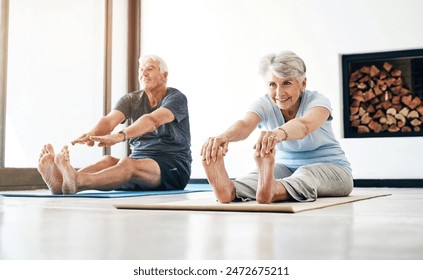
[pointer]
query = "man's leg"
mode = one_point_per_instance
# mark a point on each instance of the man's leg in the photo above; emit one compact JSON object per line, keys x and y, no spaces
{"x":269,"y":189}
{"x":105,"y":162}
{"x":110,"y":178}
{"x":218,"y":178}
{"x":49,"y":170}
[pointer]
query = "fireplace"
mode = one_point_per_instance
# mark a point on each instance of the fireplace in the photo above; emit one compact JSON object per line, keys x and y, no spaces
{"x":383,"y":94}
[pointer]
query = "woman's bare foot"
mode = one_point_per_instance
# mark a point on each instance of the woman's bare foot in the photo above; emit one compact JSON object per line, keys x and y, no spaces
{"x":69,"y":173}
{"x":268,"y":189}
{"x":49,"y":170}
{"x":218,"y":178}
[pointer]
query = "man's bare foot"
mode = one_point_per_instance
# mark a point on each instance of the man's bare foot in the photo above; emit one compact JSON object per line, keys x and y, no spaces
{"x":49,"y":170}
{"x":218,"y":178}
{"x":268,"y":189}
{"x":69,"y":173}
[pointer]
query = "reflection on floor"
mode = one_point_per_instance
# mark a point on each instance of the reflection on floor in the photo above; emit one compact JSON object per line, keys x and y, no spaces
{"x":91,"y":228}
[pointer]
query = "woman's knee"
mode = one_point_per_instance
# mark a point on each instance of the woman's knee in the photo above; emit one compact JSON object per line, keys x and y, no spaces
{"x":348,"y":186}
{"x":331,"y":180}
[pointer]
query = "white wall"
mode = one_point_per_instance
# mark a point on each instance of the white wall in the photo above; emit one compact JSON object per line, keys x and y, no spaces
{"x":213,"y":47}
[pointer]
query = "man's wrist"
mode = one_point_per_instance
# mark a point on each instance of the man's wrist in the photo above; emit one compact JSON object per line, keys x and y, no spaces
{"x":125,"y":135}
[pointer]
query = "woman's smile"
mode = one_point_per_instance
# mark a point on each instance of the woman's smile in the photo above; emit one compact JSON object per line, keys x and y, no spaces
{"x":280,"y":99}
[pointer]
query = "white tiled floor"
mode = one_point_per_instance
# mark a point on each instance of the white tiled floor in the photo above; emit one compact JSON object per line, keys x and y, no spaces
{"x":91,"y":228}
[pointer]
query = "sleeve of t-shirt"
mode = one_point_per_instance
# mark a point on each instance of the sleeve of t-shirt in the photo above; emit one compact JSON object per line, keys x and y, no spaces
{"x":177,"y":103}
{"x":262,"y":108}
{"x":319,"y":100}
{"x":124,"y":105}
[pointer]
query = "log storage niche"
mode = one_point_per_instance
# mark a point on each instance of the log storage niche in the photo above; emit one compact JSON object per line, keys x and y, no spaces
{"x":383,"y":94}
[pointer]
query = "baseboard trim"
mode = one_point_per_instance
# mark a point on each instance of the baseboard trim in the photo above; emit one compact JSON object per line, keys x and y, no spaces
{"x":20,"y":179}
{"x":29,"y":178}
{"x":198,"y":181}
{"x":363,"y":183}
{"x":388,"y":183}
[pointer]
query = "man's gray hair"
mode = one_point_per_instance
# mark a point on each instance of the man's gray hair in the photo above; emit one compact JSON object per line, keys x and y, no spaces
{"x":156,"y":58}
{"x":283,"y":65}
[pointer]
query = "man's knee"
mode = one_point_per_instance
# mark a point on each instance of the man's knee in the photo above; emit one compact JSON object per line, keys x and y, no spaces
{"x":128,"y":163}
{"x":109,"y":160}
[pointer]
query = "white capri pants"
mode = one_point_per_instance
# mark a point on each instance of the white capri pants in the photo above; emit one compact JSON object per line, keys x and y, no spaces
{"x":303,"y":184}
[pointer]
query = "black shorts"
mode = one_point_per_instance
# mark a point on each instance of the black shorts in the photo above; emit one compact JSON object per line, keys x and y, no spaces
{"x":174,"y":171}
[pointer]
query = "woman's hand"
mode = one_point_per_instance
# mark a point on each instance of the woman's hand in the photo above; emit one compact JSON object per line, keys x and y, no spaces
{"x":212,"y":146}
{"x":84,"y":139}
{"x":108,"y":140}
{"x":267,"y":141}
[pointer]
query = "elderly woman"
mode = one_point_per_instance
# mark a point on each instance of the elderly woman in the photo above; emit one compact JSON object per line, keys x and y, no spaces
{"x":297,"y":155}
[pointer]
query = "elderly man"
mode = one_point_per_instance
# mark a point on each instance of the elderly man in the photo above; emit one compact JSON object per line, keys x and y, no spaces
{"x":159,"y":137}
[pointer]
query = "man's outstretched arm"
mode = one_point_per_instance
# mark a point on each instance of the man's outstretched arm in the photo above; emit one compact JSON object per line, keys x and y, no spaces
{"x":145,"y":124}
{"x":104,"y":126}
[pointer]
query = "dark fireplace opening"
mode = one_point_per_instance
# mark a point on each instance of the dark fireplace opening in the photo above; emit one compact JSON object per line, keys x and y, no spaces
{"x":383,"y":93}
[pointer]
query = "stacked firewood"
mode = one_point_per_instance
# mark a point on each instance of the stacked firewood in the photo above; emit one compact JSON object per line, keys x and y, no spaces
{"x":381,"y":102}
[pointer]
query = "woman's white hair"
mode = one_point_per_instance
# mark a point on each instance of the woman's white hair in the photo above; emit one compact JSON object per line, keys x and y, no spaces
{"x":156,"y":58}
{"x":283,"y":65}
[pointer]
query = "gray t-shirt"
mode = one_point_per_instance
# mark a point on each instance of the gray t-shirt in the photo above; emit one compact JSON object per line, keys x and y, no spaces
{"x":171,"y":139}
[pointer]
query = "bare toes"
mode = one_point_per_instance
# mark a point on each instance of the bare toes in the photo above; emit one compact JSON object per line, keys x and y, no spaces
{"x":68,"y":172}
{"x":49,"y":171}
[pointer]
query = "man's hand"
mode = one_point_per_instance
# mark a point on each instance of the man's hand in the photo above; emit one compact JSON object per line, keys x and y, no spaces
{"x":108,"y":140}
{"x":84,"y":139}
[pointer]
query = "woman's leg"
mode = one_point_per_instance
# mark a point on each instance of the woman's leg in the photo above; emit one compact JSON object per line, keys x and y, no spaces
{"x":268,"y":189}
{"x":246,"y":186}
{"x":219,"y":179}
{"x":318,"y":180}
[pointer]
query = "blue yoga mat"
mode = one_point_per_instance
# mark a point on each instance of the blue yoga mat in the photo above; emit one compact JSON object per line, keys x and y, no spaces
{"x":190,"y":188}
